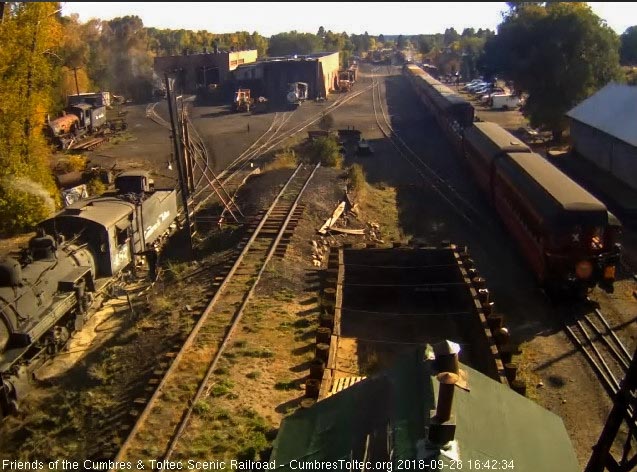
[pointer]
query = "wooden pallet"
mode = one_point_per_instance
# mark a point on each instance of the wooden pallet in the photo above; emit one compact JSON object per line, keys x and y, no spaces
{"x":343,"y":383}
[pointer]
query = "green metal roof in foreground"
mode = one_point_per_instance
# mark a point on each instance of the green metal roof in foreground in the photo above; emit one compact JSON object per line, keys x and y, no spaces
{"x":390,"y":412}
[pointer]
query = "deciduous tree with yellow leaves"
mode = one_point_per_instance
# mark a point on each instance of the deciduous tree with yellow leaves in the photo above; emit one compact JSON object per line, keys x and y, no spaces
{"x":29,"y":33}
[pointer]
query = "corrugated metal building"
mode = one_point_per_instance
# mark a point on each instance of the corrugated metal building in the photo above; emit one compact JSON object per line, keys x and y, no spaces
{"x":271,"y":77}
{"x":202,"y":69}
{"x":604,"y":131}
{"x":387,"y":418}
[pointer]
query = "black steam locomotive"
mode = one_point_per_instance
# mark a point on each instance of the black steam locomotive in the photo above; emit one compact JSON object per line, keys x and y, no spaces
{"x":79,"y":119}
{"x":568,"y":237}
{"x":46,"y":292}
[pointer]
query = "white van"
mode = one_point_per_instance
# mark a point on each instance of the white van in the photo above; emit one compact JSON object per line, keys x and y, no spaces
{"x":504,"y":102}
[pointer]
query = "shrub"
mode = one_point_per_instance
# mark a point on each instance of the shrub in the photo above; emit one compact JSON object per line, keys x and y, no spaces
{"x":76,"y":163}
{"x":95,"y":187}
{"x":326,"y":151}
{"x":356,"y":177}
{"x":283,"y":160}
{"x":20,"y":210}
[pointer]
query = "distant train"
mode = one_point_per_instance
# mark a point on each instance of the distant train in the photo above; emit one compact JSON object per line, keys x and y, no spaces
{"x":568,"y":237}
{"x":47,"y":291}
{"x":79,"y":119}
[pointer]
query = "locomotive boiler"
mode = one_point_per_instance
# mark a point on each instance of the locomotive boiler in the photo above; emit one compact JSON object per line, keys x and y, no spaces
{"x":49,"y":289}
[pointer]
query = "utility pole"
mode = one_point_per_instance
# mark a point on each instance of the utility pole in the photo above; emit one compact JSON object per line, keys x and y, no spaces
{"x":179,"y":158}
{"x":624,"y":412}
{"x":77,"y":87}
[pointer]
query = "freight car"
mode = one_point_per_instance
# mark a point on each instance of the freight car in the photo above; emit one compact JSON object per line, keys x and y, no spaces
{"x":568,"y":237}
{"x":47,"y":292}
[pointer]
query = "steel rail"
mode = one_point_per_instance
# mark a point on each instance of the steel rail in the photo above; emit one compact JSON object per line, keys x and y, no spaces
{"x":203,"y":386}
{"x":200,"y":323}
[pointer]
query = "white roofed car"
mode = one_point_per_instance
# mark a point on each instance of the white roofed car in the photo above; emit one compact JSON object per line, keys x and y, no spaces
{"x":477,"y":86}
{"x":472,"y":83}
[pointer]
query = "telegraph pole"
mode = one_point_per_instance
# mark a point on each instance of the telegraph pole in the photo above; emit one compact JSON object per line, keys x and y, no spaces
{"x":624,"y":413}
{"x":77,"y":87}
{"x":179,"y":158}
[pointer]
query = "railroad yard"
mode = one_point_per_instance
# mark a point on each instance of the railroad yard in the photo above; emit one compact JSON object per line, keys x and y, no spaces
{"x":212,"y":356}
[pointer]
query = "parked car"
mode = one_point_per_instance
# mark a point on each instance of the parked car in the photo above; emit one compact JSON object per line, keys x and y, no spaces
{"x":480,"y":91}
{"x":469,"y":84}
{"x":476,"y":86}
{"x":490,"y":93}
{"x":504,"y":102}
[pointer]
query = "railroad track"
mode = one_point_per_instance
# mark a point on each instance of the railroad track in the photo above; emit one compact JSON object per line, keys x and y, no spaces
{"x":165,"y":417}
{"x":235,"y":173}
{"x":593,"y":335}
{"x":442,"y":187}
{"x":273,"y":137}
{"x":154,"y":116}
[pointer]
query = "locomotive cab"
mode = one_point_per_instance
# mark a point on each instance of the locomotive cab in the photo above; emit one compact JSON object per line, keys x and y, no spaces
{"x":137,"y":182}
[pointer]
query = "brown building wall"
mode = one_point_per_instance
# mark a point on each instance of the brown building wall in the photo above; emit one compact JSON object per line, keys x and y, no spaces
{"x":195,"y":69}
{"x":271,"y":78}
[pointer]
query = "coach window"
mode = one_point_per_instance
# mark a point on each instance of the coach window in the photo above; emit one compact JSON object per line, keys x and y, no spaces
{"x":121,"y":232}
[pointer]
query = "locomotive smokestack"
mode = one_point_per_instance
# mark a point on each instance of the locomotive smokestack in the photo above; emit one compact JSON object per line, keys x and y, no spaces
{"x":448,"y":382}
{"x":442,"y":426}
{"x":446,"y":353}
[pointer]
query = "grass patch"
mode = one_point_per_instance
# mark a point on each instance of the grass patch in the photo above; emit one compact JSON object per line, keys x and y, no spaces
{"x":122,"y":137}
{"x":221,"y":388}
{"x":285,"y":159}
{"x":380,"y":207}
{"x":525,"y":371}
{"x":285,"y":385}
{"x":259,"y":353}
{"x":160,"y":304}
{"x":221,"y":240}
{"x":285,"y":325}
{"x":201,"y":408}
{"x":357,"y":181}
{"x":174,"y":270}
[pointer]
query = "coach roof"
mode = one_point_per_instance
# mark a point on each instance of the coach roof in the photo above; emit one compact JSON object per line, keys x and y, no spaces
{"x":551,"y":191}
{"x":491,"y":139}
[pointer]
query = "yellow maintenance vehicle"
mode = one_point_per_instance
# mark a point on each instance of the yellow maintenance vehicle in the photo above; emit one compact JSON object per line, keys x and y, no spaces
{"x":242,"y":100}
